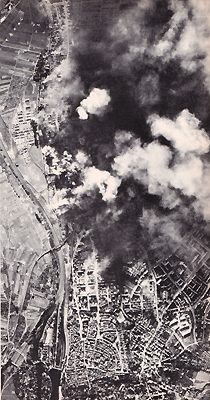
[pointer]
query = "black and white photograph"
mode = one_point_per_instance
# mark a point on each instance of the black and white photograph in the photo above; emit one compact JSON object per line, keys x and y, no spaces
{"x":105,"y":199}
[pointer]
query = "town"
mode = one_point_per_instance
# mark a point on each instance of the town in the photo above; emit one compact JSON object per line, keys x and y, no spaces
{"x":66,"y":330}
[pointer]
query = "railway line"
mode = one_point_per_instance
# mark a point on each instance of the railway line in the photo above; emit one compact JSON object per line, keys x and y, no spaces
{"x":41,"y":207}
{"x":49,"y":220}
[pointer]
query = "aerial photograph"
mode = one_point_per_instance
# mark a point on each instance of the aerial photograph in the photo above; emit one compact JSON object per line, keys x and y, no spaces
{"x":105,"y":199}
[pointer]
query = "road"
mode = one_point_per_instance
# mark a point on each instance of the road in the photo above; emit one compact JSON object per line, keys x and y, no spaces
{"x":51,"y":220}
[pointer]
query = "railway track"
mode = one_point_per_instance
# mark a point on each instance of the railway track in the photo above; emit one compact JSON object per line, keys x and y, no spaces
{"x":40,"y":206}
{"x":50,"y":223}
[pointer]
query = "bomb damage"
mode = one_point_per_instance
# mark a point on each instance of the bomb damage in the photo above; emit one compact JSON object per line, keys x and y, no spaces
{"x":104,"y":182}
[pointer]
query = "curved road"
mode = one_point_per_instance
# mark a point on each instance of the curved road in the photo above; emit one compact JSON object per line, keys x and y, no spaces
{"x":53,"y":225}
{"x":40,"y":202}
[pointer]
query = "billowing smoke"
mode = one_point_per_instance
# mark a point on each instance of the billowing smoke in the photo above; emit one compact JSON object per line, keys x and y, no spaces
{"x":95,"y":103}
{"x":184,"y":133}
{"x":55,"y":104}
{"x":190,"y":143}
{"x":103,"y":180}
{"x":133,"y":100}
{"x":163,"y":168}
{"x":191,"y":23}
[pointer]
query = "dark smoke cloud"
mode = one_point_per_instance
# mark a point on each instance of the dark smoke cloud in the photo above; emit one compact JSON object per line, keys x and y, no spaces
{"x":133,"y":99}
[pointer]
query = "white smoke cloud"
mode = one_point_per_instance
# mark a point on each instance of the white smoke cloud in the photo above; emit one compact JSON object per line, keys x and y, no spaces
{"x":201,"y":34}
{"x":184,"y":132}
{"x":103,"y":180}
{"x":95,"y":103}
{"x":188,"y":173}
{"x":65,"y":70}
{"x":62,"y":85}
{"x":192,"y":47}
{"x":147,"y":164}
{"x":81,"y":158}
{"x":82,"y":113}
{"x":59,"y":202}
{"x":187,"y":176}
{"x":163,"y":170}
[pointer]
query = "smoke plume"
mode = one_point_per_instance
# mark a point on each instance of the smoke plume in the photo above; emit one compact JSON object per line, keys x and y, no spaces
{"x":95,"y":103}
{"x":133,"y":99}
